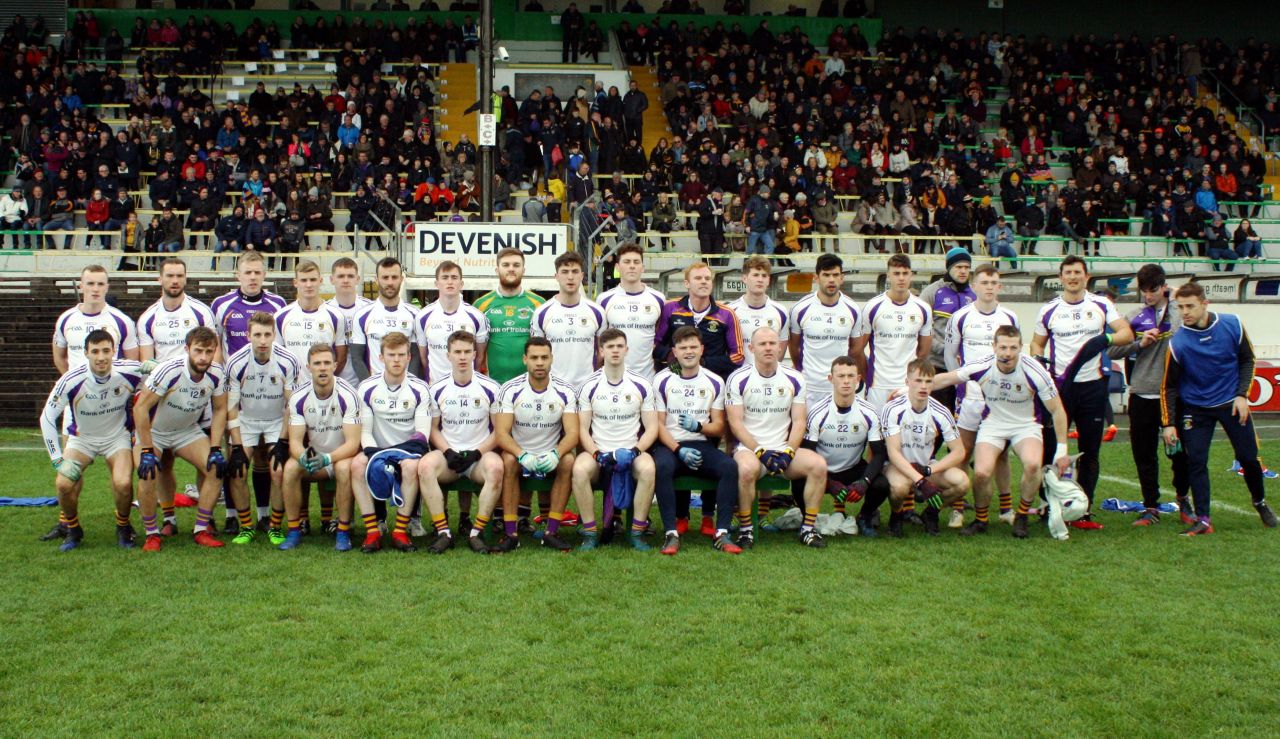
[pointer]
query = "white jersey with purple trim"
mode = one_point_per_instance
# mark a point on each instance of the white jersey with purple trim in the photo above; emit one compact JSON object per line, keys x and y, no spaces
{"x":842,"y":434}
{"x":166,"y":330}
{"x":183,"y":398}
{"x":636,"y":315}
{"x":324,"y":417}
{"x":348,"y":313}
{"x":970,"y":339}
{"x":616,"y":408}
{"x":918,"y":431}
{"x":677,"y":395}
{"x":1069,"y":325}
{"x":374,"y":322}
{"x":572,"y":331}
{"x":465,"y":411}
{"x":825,"y":332}
{"x":538,"y":421}
{"x":101,"y":407}
{"x":1011,"y":398}
{"x":232,"y":313}
{"x":434,"y":327}
{"x":894,"y":331}
{"x":390,"y":414}
{"x":770,"y":315}
{"x":297,"y":330}
{"x":766,"y":402}
{"x":257,"y":389}
{"x":74,"y":325}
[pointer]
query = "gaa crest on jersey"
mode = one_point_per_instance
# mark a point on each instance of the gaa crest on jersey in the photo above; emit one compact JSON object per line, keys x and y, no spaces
{"x":702,"y":392}
{"x":117,"y":391}
{"x":524,"y":314}
{"x":583,"y":320}
{"x":272,"y":379}
{"x":841,"y":321}
{"x":713,"y":327}
{"x":1017,"y":387}
{"x":406,"y":404}
{"x":186,"y":323}
{"x":626,"y":398}
{"x":913,"y":318}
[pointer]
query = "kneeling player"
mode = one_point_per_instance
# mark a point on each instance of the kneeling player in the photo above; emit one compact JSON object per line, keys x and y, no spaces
{"x":537,"y":430}
{"x":913,"y":423}
{"x":690,"y":405}
{"x":324,"y":435}
{"x":1011,"y":384}
{"x":841,"y":428}
{"x":766,"y":409}
{"x":167,"y":418}
{"x":618,"y":422}
{"x":462,"y":436}
{"x":99,"y":394}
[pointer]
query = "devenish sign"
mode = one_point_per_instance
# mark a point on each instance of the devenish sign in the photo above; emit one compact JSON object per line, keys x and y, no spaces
{"x":474,"y":246}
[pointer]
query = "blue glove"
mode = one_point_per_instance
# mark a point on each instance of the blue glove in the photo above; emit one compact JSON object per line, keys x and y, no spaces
{"x":217,"y":463}
{"x":624,"y":457}
{"x":606,"y":461}
{"x":148,"y":463}
{"x":692,"y":458}
{"x":689,"y":423}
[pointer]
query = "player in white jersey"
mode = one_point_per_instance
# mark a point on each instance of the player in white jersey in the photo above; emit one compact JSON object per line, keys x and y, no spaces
{"x":260,"y":379}
{"x":914,"y":426}
{"x":537,"y":430}
{"x":896,"y":328}
{"x":970,"y":336}
{"x":691,"y":420}
{"x":166,"y":417}
{"x":755,"y":308}
{"x":824,"y":325}
{"x":617,"y":422}
{"x":163,"y":327}
{"x":841,"y":428}
{"x":386,"y":315}
{"x":440,"y":320}
{"x":309,"y":321}
{"x":571,"y":322}
{"x":1015,"y":388}
{"x":100,"y":396}
{"x":395,"y":411}
{"x":463,"y":404}
{"x":324,"y":435}
{"x":348,"y":301}
{"x":635,"y":308}
{"x":766,"y":409}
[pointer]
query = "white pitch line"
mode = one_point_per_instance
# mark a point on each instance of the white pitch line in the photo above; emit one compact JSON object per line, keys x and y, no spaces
{"x":1216,"y":503}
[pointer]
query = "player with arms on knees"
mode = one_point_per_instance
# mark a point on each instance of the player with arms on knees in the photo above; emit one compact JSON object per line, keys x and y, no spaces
{"x":100,"y":397}
{"x":841,"y":429}
{"x":462,"y":408}
{"x":635,"y":308}
{"x":324,"y":436}
{"x":537,"y":430}
{"x":824,"y":325}
{"x":766,"y":410}
{"x":347,"y":301}
{"x":617,"y":422}
{"x":571,"y":322}
{"x":1014,"y":388}
{"x":914,"y":424}
{"x":166,"y":417}
{"x":755,"y":308}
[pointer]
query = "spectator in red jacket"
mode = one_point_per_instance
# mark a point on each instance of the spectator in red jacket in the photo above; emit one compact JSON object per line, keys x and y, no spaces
{"x":97,"y":211}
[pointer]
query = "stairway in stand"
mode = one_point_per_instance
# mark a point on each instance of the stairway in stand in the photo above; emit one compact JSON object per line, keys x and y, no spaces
{"x":655,"y":123}
{"x":458,"y":91}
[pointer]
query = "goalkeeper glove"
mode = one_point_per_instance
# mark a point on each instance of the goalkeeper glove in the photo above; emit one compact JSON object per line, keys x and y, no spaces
{"x":691,"y":424}
{"x":148,"y":463}
{"x":239,"y":461}
{"x":529,"y":462}
{"x":548,"y":461}
{"x":692,"y":458}
{"x":68,"y":468}
{"x":624,"y":457}
{"x":217,"y":463}
{"x":927,"y":493}
{"x":279,"y":454}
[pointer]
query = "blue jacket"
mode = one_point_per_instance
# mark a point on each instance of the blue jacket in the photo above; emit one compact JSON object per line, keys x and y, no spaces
{"x":1207,"y":367}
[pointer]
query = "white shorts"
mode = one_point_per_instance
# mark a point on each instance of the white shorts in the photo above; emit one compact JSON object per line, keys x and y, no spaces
{"x":971,"y":408}
{"x":94,"y":448}
{"x":168,"y":441}
{"x":255,"y":433}
{"x":1003,"y":436}
{"x":878,"y":398}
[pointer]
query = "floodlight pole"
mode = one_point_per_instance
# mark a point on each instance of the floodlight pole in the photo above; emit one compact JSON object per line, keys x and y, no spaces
{"x":486,"y":106}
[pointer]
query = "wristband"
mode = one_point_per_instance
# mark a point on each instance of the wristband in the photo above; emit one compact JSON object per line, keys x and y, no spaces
{"x":234,"y":423}
{"x":1060,"y":452}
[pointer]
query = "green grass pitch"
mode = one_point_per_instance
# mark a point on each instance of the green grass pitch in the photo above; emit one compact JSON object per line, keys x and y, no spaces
{"x":1120,"y":632}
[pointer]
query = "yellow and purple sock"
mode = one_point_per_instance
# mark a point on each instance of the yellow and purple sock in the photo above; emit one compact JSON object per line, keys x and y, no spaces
{"x":1024,"y":507}
{"x":402,"y":524}
{"x":122,"y":520}
{"x":326,"y":513}
{"x":588,"y":527}
{"x":277,"y":518}
{"x":73,"y":522}
{"x":151,"y":525}
{"x":344,"y":525}
{"x":440,"y":522}
{"x":553,"y":521}
{"x":295,"y":524}
{"x":1006,"y":502}
{"x":246,"y":518}
{"x":744,"y":520}
{"x":170,"y":513}
{"x":810,"y":517}
{"x":763,"y":506}
{"x":909,"y":505}
{"x":478,"y":525}
{"x":510,"y":524}
{"x":370,"y":521}
{"x":958,"y":505}
{"x":838,"y":506}
{"x":981,"y":513}
{"x":638,"y":525}
{"x":202,"y":519}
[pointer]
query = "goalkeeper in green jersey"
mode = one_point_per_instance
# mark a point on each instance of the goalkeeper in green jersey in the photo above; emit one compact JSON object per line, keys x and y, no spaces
{"x":509,"y":310}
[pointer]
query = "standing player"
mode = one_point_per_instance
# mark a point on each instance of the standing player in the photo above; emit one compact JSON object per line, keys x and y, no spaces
{"x":347,"y":300}
{"x":617,"y":422}
{"x":1073,"y":328}
{"x":970,"y":339}
{"x":463,"y":404}
{"x":509,"y":313}
{"x":233,"y":310}
{"x":824,"y":325}
{"x":537,"y":429}
{"x":166,"y":417}
{"x":945,"y":297}
{"x":99,"y":396}
{"x":1014,"y":388}
{"x":395,"y":408}
{"x":308,"y":320}
{"x":324,"y":435}
{"x":896,"y":328}
{"x":260,"y":379}
{"x":841,"y":428}
{"x":1208,"y":370}
{"x":721,"y":339}
{"x":571,"y":322}
{"x":163,"y":327}
{"x":914,"y":425}
{"x":439,"y":321}
{"x":384,"y":316}
{"x":691,"y":420}
{"x":635,"y":308}
{"x":755,"y":308}
{"x":766,"y":409}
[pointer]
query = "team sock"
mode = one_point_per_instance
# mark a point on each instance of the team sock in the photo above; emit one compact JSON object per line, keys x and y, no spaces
{"x":478,"y":524}
{"x":326,"y":513}
{"x":150,"y":525}
{"x":1024,"y":507}
{"x":744,"y":521}
{"x":122,"y":520}
{"x":170,"y":515}
{"x":246,"y":518}
{"x":402,"y":524}
{"x":295,"y":524}
{"x":958,"y":505}
{"x":553,"y":522}
{"x":73,"y":522}
{"x":509,"y":524}
{"x":810,"y":517}
{"x":441,"y":524}
{"x":370,"y":521}
{"x":62,"y":518}
{"x":202,"y":519}
{"x":638,"y":525}
{"x":589,"y":527}
{"x":838,"y":507}
{"x":277,"y":517}
{"x":981,"y":513}
{"x":1006,"y":502}
{"x":763,"y":506}
{"x":909,"y":505}
{"x":344,"y":525}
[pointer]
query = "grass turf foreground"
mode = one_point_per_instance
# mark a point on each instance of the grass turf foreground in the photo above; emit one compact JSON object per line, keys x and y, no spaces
{"x":1117,"y":632}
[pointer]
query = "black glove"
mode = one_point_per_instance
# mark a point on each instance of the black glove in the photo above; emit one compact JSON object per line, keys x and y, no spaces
{"x":279,"y":454}
{"x":217,"y":463}
{"x":451,"y":460}
{"x":460,"y":461}
{"x":239,"y":462}
{"x":923,"y":469}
